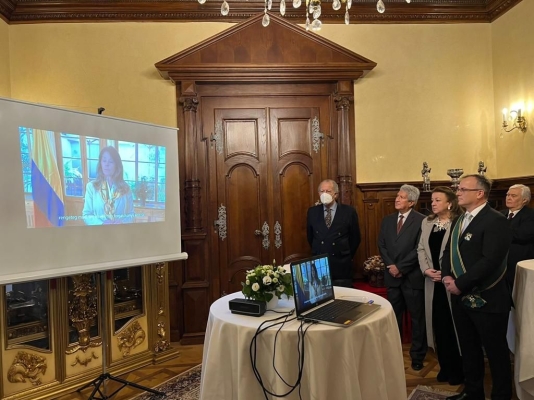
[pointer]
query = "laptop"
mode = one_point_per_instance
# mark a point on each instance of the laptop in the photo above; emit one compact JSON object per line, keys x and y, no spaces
{"x":314,"y":295}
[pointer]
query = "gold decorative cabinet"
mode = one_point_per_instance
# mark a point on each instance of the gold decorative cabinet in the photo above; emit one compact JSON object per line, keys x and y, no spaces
{"x":51,"y":342}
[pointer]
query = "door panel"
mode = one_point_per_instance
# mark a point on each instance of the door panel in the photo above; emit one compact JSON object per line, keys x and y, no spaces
{"x":297,"y":167}
{"x":266,"y":176}
{"x":241,"y":188}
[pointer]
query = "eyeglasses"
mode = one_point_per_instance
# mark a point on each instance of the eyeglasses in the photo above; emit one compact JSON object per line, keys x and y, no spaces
{"x":462,"y":190}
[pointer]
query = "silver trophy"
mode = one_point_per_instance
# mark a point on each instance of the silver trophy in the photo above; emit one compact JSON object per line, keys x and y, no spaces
{"x":482,"y":168}
{"x":425,"y":173}
{"x":455,"y":174}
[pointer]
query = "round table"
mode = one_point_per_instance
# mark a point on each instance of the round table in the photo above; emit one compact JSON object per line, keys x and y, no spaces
{"x":523,"y":318}
{"x":363,"y":361}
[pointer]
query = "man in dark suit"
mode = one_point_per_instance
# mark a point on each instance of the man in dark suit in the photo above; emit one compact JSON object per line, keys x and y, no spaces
{"x":333,"y":228}
{"x":521,"y":219}
{"x":473,"y":268}
{"x":397,"y":243}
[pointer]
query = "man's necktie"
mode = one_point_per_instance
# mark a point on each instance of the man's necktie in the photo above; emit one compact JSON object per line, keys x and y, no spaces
{"x":328,"y":217}
{"x":399,"y":224}
{"x":467,"y":219}
{"x":511,"y":215}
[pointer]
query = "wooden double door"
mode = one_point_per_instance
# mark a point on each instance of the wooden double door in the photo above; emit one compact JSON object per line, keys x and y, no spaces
{"x":266,"y":159}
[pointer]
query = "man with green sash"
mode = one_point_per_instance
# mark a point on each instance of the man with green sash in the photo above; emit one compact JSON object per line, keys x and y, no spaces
{"x":473,"y":270}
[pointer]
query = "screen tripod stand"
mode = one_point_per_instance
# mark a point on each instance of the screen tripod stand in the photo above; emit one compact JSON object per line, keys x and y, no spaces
{"x":100,"y":382}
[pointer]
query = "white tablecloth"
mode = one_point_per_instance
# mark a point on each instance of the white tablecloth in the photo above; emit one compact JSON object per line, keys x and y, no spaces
{"x":524,"y":326}
{"x":361,"y":362}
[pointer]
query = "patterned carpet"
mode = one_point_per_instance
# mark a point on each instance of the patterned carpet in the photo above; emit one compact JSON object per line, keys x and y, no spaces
{"x":185,"y":386}
{"x":428,"y":393}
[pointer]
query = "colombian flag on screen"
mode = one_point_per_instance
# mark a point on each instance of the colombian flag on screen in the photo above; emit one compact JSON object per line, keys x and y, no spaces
{"x":300,"y":283}
{"x":46,"y":182}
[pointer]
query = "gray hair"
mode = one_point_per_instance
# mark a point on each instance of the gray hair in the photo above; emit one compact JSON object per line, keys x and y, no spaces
{"x":525,"y":191}
{"x":483,"y":183}
{"x":412,"y":191}
{"x":334,"y":185}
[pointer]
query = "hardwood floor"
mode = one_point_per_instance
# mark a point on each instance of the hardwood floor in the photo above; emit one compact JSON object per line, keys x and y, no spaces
{"x":191,"y":356}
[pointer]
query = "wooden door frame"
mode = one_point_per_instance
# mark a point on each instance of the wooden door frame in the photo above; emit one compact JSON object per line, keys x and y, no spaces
{"x":204,"y":69}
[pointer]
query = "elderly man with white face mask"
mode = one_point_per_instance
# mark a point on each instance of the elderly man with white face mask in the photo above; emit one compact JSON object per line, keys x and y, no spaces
{"x":333,"y":228}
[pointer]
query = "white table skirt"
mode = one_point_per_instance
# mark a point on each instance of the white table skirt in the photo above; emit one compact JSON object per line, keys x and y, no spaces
{"x":361,"y":362}
{"x":523,"y":316}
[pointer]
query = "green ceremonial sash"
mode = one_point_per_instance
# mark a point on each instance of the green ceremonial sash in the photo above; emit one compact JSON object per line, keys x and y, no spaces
{"x":473,"y":299}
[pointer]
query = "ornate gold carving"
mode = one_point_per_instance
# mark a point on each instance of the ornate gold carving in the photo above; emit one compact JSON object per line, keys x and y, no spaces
{"x":86,"y":361}
{"x":160,"y":273}
{"x":126,"y":307}
{"x":82,"y":311}
{"x":130,"y":338}
{"x":162,"y":344}
{"x":34,"y":328}
{"x":27,"y":366}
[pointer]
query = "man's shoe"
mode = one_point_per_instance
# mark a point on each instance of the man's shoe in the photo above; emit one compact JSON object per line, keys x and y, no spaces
{"x":465,"y":396}
{"x":417,"y":365}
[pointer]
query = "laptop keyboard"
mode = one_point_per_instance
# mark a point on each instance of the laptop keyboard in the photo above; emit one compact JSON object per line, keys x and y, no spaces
{"x":332,"y":311}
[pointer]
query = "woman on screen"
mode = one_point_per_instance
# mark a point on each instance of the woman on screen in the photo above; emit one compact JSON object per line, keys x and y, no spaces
{"x":108,"y":199}
{"x":315,"y":283}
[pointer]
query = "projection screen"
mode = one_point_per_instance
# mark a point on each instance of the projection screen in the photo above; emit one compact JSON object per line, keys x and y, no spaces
{"x":84,"y":193}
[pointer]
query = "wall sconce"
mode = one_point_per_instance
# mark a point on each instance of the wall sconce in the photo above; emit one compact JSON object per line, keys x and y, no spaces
{"x":518,"y":121}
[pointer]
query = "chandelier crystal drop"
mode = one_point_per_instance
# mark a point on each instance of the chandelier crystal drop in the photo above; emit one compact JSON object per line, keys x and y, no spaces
{"x":313,"y":7}
{"x":266,"y":19}
{"x":380,"y":7}
{"x":225,"y":8}
{"x":336,"y":5}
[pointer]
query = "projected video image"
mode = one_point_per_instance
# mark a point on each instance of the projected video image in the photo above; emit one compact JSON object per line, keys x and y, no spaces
{"x":74,"y":180}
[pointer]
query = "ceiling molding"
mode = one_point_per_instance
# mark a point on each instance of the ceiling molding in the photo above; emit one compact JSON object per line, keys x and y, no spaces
{"x":362,"y":11}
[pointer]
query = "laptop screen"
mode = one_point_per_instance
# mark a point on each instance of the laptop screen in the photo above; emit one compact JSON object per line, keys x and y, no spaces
{"x":312,"y":282}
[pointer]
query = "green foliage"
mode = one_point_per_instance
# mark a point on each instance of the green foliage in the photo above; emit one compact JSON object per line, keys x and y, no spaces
{"x":266,"y":281}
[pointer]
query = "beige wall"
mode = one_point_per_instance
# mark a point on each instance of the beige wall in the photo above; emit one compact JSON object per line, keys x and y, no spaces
{"x":5,"y":79}
{"x":86,"y":66}
{"x":429,"y":99}
{"x":513,"y":65}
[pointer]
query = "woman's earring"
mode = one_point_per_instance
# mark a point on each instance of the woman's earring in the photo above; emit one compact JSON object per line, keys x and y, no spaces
{"x":449,"y":207}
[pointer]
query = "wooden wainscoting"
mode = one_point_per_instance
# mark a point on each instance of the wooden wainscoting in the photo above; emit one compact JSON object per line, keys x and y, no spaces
{"x":376,"y":200}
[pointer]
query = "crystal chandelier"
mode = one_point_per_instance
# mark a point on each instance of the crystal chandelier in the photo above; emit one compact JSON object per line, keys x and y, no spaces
{"x":313,"y":8}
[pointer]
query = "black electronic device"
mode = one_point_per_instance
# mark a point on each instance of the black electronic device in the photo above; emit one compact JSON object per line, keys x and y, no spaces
{"x":247,"y":307}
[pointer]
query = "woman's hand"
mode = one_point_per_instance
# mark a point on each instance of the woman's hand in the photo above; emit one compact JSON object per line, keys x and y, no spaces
{"x":433,"y":274}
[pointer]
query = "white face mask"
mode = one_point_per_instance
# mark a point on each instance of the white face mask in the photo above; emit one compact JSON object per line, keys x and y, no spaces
{"x":326,"y":198}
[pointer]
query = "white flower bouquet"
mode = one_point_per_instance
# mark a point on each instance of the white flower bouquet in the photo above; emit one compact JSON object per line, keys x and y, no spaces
{"x":266,"y":281}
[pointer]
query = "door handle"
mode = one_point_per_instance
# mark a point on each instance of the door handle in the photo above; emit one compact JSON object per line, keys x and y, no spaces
{"x":265,"y":232}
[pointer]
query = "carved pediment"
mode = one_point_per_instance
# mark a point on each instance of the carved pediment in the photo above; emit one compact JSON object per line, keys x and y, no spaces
{"x":249,"y":52}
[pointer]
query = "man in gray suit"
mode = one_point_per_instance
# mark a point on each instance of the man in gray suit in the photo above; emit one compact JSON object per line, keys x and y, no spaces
{"x":397,"y":242}
{"x":521,"y":219}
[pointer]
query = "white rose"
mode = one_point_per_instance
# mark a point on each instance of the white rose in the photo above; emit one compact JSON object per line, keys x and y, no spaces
{"x":247,"y":282}
{"x":275,"y":280}
{"x":281,"y":288}
{"x":266,"y":280}
{"x":276,"y":274}
{"x":256,"y":287}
